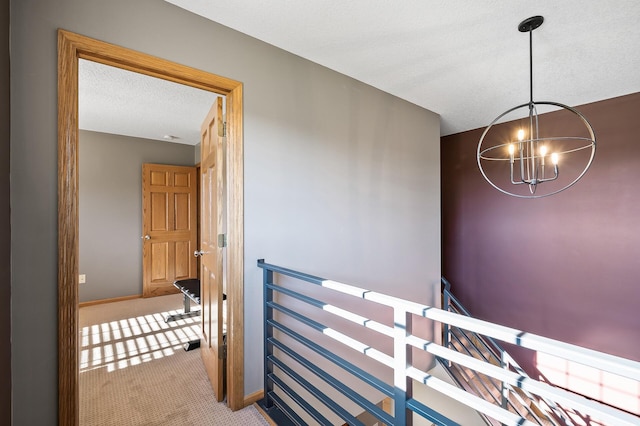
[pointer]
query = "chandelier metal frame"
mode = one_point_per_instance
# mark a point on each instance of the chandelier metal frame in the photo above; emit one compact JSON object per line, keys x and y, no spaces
{"x":529,"y":162}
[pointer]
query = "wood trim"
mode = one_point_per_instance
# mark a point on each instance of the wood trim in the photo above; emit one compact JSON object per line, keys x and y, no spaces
{"x":253,"y":398}
{"x":111,"y":300}
{"x":235,"y":244}
{"x":131,"y":60}
{"x":264,"y":414}
{"x":68,"y":347}
{"x":72,"y":47}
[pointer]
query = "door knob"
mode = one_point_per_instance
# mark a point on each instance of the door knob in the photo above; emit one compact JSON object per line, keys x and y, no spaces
{"x":198,"y":253}
{"x":146,"y":237}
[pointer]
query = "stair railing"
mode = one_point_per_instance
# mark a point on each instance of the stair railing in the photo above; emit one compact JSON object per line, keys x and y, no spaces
{"x":487,"y":349}
{"x":312,"y":400}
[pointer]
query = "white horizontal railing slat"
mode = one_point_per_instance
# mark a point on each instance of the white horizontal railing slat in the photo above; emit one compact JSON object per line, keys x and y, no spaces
{"x":598,"y":360}
{"x":602,"y":361}
{"x":584,"y":405}
{"x":468,"y":399}
{"x":605,"y":362}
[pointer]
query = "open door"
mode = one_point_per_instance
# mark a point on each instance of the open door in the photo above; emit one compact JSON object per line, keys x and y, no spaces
{"x":169,"y":226}
{"x":212,"y":345}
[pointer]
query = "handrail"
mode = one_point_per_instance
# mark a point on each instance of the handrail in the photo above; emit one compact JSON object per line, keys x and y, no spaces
{"x":400,"y":361}
{"x":600,"y":360}
{"x":489,"y":347}
{"x":450,"y":297}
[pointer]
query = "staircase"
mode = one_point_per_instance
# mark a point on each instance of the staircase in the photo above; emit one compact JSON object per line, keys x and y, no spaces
{"x":516,"y":401}
{"x":487,"y":350}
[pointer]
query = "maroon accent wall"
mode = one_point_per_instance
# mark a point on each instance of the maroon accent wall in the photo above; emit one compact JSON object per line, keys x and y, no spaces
{"x":565,"y":266}
{"x":5,"y":222}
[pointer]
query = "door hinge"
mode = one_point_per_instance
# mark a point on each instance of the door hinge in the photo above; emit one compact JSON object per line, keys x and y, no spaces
{"x":222,"y":240}
{"x":224,"y":129}
{"x":222,"y":352}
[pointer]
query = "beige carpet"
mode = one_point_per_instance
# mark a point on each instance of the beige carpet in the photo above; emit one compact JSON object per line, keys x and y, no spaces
{"x":134,"y":371}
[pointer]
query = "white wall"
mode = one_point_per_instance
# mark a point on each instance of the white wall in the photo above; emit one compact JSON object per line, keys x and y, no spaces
{"x":341,"y":180}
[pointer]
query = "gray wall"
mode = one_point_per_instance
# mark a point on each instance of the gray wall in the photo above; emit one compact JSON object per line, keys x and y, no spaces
{"x":111,"y":209}
{"x":341,"y":180}
{"x":5,"y":221}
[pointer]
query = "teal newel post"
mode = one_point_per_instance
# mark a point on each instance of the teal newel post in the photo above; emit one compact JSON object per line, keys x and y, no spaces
{"x":267,"y":278}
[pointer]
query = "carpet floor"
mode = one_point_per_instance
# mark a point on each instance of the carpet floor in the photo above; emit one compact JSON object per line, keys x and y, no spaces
{"x":134,"y":370}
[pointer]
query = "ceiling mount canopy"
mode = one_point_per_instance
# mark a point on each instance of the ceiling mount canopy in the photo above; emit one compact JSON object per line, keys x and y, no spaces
{"x":527,"y":155}
{"x":530,"y":24}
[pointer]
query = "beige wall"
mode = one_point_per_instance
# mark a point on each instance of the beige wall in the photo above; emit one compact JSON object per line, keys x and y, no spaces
{"x":341,"y":180}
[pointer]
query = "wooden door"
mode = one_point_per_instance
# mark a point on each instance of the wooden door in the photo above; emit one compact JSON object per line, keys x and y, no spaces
{"x":169,"y":226}
{"x":211,"y":275}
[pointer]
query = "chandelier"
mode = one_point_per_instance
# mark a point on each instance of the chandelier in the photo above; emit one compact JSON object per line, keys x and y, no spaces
{"x":522,"y":153}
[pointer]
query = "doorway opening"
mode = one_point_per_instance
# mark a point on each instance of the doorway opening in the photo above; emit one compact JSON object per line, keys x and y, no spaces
{"x":71,"y":48}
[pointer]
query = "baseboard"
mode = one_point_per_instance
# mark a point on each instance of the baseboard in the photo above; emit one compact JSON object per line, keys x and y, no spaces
{"x":114,"y":299}
{"x":253,"y":398}
{"x":264,"y":414}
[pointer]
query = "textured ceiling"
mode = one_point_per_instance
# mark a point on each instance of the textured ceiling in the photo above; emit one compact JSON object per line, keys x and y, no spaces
{"x":113,"y":100}
{"x":464,"y":60}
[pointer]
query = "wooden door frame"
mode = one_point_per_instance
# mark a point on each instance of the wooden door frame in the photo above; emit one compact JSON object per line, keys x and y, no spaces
{"x":71,"y":48}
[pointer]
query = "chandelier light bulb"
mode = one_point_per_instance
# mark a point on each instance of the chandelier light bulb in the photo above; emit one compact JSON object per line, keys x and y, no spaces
{"x":520,"y":135}
{"x":554,"y":158}
{"x":543,"y":150}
